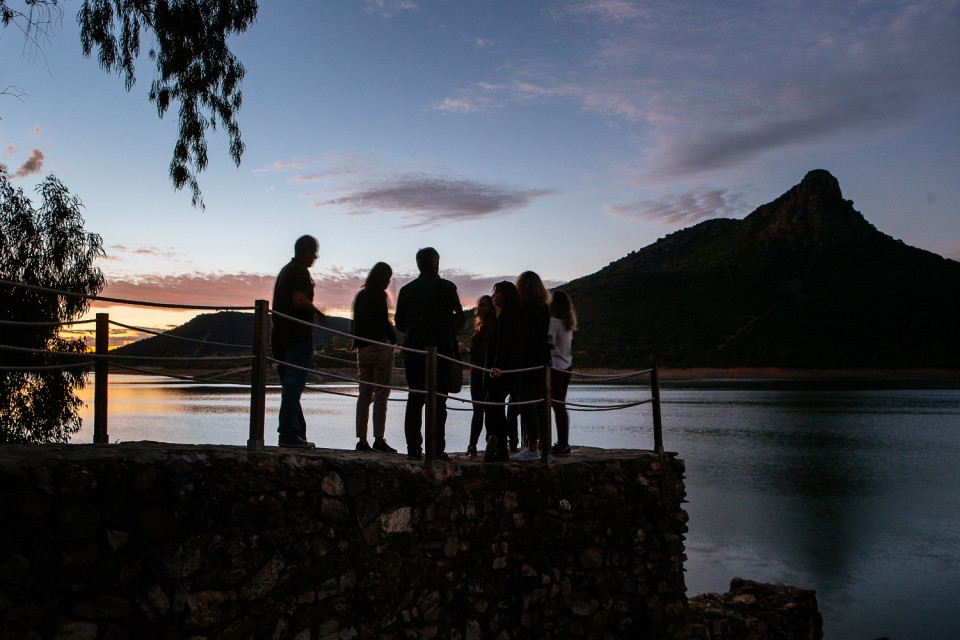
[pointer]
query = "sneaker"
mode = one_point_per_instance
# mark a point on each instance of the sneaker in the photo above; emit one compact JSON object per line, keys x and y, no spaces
{"x":363,"y":446}
{"x":561,"y":449}
{"x":490,"y":452}
{"x":383,"y":447}
{"x":443,"y":457}
{"x":514,"y":447}
{"x":415,"y":455}
{"x":296,"y":442}
{"x":526,"y":456}
{"x":472,"y":451}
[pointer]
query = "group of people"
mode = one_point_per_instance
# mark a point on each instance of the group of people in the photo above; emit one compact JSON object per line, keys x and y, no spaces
{"x":519,"y":327}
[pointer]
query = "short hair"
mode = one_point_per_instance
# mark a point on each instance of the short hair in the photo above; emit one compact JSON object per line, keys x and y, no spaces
{"x":428,"y":260}
{"x":305,"y":244}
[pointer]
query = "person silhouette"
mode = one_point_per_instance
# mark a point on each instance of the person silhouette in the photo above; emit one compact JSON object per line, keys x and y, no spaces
{"x":292,"y":341}
{"x":429,"y":313}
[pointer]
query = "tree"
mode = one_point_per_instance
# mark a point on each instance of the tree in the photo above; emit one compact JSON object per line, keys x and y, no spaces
{"x":194,"y":65}
{"x":46,"y":247}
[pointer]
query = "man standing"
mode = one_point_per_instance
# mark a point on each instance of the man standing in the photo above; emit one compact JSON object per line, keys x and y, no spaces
{"x":292,"y":341}
{"x":429,"y":314}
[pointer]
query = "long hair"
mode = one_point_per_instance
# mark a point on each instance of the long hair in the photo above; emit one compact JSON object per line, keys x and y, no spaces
{"x":487,"y":317}
{"x":379,"y":277}
{"x":561,"y":307}
{"x":509,"y":296}
{"x":531,"y":289}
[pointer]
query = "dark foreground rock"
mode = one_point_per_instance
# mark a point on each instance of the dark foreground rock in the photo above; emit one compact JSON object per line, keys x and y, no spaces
{"x":756,"y":611}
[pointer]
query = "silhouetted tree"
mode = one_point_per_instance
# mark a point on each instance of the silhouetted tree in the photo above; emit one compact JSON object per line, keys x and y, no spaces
{"x":194,"y":65}
{"x":44,"y":247}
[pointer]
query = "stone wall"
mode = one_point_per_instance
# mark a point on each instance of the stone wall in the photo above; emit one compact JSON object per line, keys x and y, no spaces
{"x":140,"y":540}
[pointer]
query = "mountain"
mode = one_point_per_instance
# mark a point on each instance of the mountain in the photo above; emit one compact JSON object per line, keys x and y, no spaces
{"x":804,"y":281}
{"x":227,"y":328}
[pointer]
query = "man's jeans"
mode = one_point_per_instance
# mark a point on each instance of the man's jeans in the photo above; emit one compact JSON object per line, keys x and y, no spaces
{"x":292,"y":423}
{"x":415,"y":368}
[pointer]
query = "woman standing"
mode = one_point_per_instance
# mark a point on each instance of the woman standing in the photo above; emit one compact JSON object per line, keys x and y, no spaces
{"x":535,"y":352}
{"x":502,"y":354}
{"x":485,"y":317}
{"x":374,"y":361}
{"x":563,"y":322}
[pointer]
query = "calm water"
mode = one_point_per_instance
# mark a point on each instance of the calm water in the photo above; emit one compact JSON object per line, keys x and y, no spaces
{"x":853,"y":493}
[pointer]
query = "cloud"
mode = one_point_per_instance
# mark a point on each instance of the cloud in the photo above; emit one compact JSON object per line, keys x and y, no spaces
{"x":335,"y":288}
{"x":706,"y":86}
{"x":32,"y":166}
{"x":9,"y":150}
{"x":194,"y":289}
{"x":36,"y":131}
{"x":167,"y":253}
{"x":285,"y":165}
{"x":387,"y":8}
{"x":607,"y":10}
{"x":684,"y":209}
{"x":427,"y":199}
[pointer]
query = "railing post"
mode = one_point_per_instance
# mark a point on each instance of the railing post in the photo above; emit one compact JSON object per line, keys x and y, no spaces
{"x":258,"y":375}
{"x":430,"y":409}
{"x":546,"y":437}
{"x":657,"y":423}
{"x":100,"y":380}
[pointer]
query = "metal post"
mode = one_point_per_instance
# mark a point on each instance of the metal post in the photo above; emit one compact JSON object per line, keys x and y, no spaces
{"x":546,"y":437}
{"x":258,"y":376}
{"x":100,"y":380}
{"x":430,"y":409}
{"x":657,"y":423}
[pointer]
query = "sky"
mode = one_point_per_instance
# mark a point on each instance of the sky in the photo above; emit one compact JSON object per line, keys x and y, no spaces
{"x":553,"y":136}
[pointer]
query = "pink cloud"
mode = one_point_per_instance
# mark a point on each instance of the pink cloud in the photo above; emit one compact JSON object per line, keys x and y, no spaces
{"x":32,"y":166}
{"x":335,"y":288}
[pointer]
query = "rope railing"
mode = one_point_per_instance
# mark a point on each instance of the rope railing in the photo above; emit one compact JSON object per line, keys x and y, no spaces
{"x":101,"y":360}
{"x":21,"y":323}
{"x":139,"y":303}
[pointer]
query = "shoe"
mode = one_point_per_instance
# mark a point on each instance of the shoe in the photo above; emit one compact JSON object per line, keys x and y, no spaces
{"x":363,"y":446}
{"x":561,"y":449}
{"x":491,"y":451}
{"x":472,"y":451}
{"x":383,"y":447}
{"x":415,"y":455}
{"x":443,"y":457}
{"x":514,"y":447}
{"x":526,"y":456}
{"x":296,"y":442}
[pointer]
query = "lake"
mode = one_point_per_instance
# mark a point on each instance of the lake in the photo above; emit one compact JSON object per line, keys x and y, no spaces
{"x":852,"y":492}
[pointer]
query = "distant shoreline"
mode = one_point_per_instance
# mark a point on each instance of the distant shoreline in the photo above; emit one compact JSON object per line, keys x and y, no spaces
{"x":885,"y":378}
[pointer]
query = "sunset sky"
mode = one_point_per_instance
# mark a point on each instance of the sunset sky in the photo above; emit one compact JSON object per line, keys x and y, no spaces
{"x":510,"y":135}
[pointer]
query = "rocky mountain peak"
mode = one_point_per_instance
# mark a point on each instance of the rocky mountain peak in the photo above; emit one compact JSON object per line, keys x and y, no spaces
{"x":811,"y":214}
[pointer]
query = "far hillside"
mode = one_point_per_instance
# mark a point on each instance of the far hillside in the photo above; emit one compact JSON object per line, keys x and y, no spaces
{"x":804,"y":281}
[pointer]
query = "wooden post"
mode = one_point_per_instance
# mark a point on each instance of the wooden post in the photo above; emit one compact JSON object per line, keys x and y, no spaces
{"x":258,"y":376}
{"x":430,"y":409}
{"x":657,"y":423}
{"x":100,"y":380}
{"x":546,"y":437}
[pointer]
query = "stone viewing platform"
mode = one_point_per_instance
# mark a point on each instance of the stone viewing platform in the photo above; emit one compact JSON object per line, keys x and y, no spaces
{"x":148,"y":540}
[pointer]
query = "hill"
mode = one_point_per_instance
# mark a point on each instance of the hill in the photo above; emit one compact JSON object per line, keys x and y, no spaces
{"x":233,"y":331}
{"x":804,"y":281}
